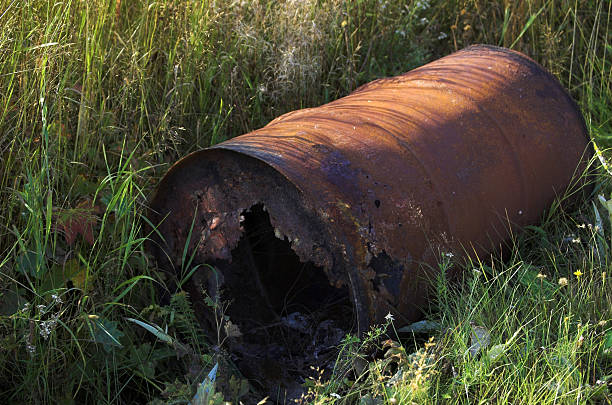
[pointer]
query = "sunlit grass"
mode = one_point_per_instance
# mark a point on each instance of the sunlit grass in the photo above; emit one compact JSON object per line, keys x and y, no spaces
{"x":99,"y":97}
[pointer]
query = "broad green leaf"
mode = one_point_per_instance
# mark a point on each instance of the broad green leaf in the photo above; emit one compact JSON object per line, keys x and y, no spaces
{"x":479,"y":339}
{"x":608,"y":341}
{"x":154,"y":329}
{"x":59,"y":276}
{"x":10,"y":302}
{"x":496,"y":352}
{"x":31,"y":263}
{"x":141,"y":355}
{"x":607,"y":346}
{"x":106,"y":333}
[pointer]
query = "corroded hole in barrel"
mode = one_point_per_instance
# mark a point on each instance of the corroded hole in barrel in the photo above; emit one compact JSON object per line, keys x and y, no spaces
{"x":290,"y":296}
{"x":289,"y":317}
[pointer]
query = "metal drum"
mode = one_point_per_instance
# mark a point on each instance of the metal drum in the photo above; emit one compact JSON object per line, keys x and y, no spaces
{"x":371,"y":189}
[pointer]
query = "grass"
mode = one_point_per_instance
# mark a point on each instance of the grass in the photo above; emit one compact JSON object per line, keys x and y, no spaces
{"x":99,"y":97}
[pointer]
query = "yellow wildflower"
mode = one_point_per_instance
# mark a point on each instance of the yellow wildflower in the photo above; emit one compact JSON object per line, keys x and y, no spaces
{"x":578,"y":274}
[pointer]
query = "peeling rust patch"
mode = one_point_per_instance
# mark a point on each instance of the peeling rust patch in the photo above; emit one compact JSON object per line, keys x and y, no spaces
{"x":367,"y":191}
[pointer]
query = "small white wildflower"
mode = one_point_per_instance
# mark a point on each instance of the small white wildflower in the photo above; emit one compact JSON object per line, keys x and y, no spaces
{"x":56,"y":298}
{"x":449,"y":254}
{"x":442,"y":35}
{"x":389,"y":317}
{"x":571,"y":239}
{"x":46,"y":327}
{"x":41,"y":308}
{"x":45,"y":331}
{"x":401,"y":32}
{"x":26,"y":307}
{"x":334,"y":395}
{"x":422,"y":4}
{"x":31,"y":349}
{"x":423,"y":21}
{"x":261,"y":88}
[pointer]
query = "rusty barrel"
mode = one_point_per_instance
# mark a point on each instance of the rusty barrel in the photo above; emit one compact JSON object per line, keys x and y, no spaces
{"x":371,"y":189}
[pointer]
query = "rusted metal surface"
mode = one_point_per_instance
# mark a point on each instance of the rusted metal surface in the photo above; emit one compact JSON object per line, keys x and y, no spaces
{"x":375,"y":186}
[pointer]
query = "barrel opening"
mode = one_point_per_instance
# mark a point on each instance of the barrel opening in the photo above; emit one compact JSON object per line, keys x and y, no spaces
{"x":288,"y":315}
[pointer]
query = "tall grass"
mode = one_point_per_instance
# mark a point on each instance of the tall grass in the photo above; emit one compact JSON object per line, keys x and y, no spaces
{"x":98,"y":97}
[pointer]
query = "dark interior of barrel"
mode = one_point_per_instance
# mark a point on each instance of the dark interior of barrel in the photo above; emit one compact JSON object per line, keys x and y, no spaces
{"x":286,"y":317}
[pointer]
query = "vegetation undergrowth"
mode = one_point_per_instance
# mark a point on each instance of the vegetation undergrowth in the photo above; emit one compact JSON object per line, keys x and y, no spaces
{"x":99,"y":97}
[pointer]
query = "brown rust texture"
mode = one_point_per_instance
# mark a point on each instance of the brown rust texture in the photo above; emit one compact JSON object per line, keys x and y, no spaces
{"x":375,"y":186}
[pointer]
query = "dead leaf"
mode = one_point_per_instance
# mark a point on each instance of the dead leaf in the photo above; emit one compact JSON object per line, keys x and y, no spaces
{"x":232,"y":330}
{"x":60,"y":275}
{"x":77,"y":221}
{"x":75,"y":273}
